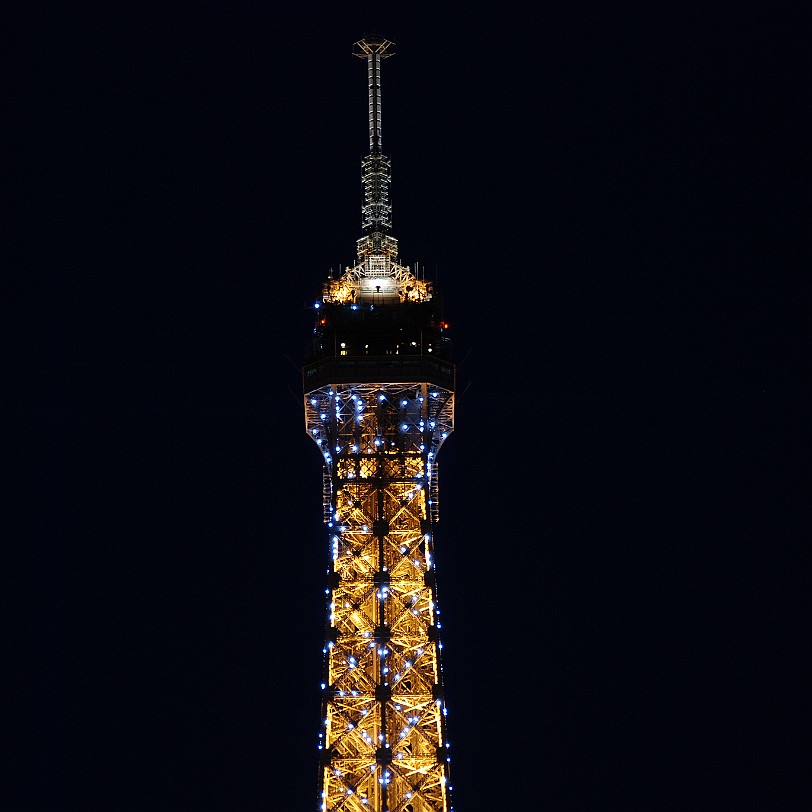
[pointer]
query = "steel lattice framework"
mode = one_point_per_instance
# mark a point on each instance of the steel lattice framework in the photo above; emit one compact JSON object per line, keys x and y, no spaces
{"x":379,"y":402}
{"x":384,"y":722}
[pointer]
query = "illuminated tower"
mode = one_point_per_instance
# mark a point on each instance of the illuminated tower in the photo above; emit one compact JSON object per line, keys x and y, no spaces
{"x":379,"y":402}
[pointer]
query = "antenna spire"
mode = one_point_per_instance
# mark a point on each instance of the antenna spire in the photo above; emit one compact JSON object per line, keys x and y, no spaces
{"x":376,"y":177}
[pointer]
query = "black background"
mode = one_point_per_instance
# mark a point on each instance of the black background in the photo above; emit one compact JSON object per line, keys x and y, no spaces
{"x":610,"y":196}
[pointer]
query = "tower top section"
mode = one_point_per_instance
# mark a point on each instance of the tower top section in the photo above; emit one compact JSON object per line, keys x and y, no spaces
{"x":377,"y":277}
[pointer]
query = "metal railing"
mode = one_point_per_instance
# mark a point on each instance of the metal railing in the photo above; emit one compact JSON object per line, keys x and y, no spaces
{"x":378,"y":369}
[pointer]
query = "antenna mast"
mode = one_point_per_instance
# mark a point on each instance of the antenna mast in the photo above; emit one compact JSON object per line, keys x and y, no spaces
{"x":376,"y":220}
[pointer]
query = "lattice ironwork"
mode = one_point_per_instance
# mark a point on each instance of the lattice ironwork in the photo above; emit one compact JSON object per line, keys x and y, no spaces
{"x":383,"y":737}
{"x":379,"y":402}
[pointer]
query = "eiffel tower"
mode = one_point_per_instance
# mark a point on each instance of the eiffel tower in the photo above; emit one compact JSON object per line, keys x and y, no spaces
{"x":379,"y":388}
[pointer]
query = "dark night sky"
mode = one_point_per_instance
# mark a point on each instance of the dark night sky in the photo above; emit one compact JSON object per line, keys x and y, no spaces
{"x":610,"y":197}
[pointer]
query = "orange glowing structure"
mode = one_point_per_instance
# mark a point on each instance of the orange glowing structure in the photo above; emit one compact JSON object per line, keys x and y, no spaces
{"x":379,"y":401}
